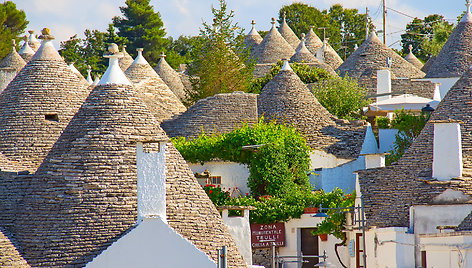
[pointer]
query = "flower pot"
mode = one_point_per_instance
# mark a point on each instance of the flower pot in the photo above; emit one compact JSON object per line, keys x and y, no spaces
{"x":323,"y":237}
{"x":310,"y":210}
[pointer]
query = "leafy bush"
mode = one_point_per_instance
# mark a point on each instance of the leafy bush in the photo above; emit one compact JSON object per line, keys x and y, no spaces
{"x":306,"y":73}
{"x":342,"y":97}
{"x":409,"y":127}
{"x":280,"y":164}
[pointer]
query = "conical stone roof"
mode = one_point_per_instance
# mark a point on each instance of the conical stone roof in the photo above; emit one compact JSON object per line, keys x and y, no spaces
{"x":372,"y":56}
{"x":428,"y":64}
{"x":13,"y":61}
{"x":218,"y":114}
{"x":455,"y":56}
{"x":26,"y":52}
{"x":83,"y":197}
{"x":126,"y":61}
{"x":33,"y":42}
{"x":253,"y":38}
{"x":161,"y":101}
{"x":412,"y":59}
{"x":37,"y":105}
{"x":330,"y":56}
{"x":171,"y":78}
{"x":303,"y":55}
{"x":273,"y":47}
{"x":313,"y":42}
{"x":288,"y":34}
{"x":287,"y":99}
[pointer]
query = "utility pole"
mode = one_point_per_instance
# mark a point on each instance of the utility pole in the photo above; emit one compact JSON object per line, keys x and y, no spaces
{"x":324,"y":31}
{"x":384,"y":22}
{"x":366,"y":22}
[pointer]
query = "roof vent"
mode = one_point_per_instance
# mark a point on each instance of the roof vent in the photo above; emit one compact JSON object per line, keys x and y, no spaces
{"x":51,"y":117}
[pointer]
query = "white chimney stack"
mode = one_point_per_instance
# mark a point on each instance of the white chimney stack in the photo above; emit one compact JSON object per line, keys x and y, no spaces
{"x":384,"y":84}
{"x":151,"y":182}
{"x":447,"y":149}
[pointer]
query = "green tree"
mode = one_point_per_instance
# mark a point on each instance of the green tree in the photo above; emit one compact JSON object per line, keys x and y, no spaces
{"x":427,"y":36}
{"x":13,"y":23}
{"x":344,"y":27}
{"x":143,"y":28}
{"x":341,"y":96}
{"x":180,"y":50}
{"x":87,"y":51}
{"x":221,"y":60}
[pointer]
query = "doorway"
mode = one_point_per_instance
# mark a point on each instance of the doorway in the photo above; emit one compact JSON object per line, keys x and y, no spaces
{"x":309,"y":246}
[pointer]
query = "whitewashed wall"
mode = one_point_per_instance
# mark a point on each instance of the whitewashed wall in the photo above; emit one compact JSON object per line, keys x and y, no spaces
{"x":232,"y":174}
{"x":152,"y":243}
{"x":447,"y":250}
{"x":445,"y":84}
{"x":386,"y":139}
{"x":240,"y":230}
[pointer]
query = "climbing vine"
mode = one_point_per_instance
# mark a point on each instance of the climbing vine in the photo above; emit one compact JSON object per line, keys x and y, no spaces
{"x":278,"y":160}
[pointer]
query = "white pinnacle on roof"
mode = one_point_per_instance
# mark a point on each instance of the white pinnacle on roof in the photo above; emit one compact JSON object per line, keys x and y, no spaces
{"x":114,"y":74}
{"x":89,"y":75}
{"x":140,"y":59}
{"x":468,"y":16}
{"x":46,"y":51}
{"x":253,"y":29}
{"x":33,"y":41}
{"x":26,"y":49}
{"x":96,"y":81}
{"x":286,"y":66}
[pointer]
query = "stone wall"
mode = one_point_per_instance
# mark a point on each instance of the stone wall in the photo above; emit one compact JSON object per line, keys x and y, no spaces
{"x":262,"y":257}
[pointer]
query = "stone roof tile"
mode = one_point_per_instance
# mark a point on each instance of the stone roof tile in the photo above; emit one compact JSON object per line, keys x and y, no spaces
{"x":412,"y":59}
{"x":13,"y":60}
{"x":455,"y":56}
{"x":171,"y":78}
{"x":253,"y":38}
{"x":37,"y":105}
{"x":288,"y":34}
{"x":330,"y":56}
{"x":218,"y":114}
{"x":161,"y":101}
{"x":273,"y":47}
{"x":313,"y":42}
{"x":9,"y":255}
{"x":126,"y":61}
{"x":372,"y":56}
{"x":83,"y":197}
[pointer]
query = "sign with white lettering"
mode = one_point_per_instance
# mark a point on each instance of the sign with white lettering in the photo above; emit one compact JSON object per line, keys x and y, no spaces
{"x":263,"y":235}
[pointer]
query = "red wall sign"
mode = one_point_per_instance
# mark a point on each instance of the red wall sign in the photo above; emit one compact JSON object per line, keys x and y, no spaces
{"x":263,"y":235}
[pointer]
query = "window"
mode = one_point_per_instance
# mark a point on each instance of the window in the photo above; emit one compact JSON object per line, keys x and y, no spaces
{"x":215,"y":180}
{"x":51,"y":117}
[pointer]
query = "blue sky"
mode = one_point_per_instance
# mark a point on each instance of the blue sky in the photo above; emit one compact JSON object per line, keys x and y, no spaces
{"x":68,"y":17}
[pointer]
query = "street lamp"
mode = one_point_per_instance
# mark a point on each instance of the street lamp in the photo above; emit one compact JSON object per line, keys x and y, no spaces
{"x":357,"y":210}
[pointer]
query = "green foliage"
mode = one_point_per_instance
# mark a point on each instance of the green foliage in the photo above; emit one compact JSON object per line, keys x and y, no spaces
{"x":341,"y":96}
{"x":305,"y":72}
{"x":409,"y":127}
{"x":143,"y":28}
{"x":87,"y":51}
{"x":13,"y":23}
{"x":344,"y":26}
{"x":180,"y":51}
{"x":218,"y":196}
{"x":270,"y":209}
{"x":221,"y":61}
{"x":427,"y":36}
{"x":277,"y":167}
{"x":334,"y":224}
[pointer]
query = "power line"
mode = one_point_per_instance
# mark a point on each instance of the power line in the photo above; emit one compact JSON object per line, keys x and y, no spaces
{"x":399,"y":12}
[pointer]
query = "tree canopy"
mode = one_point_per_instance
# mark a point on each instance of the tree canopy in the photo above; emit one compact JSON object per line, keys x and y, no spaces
{"x":427,"y":36}
{"x":220,"y":59}
{"x":143,"y":28}
{"x":13,"y":23}
{"x":343,"y":26}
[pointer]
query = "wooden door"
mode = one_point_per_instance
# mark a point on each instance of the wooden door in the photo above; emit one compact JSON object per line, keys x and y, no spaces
{"x":309,"y":246}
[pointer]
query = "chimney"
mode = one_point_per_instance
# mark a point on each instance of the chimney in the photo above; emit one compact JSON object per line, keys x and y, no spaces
{"x":151,"y":181}
{"x":447,"y":149}
{"x":384,"y":84}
